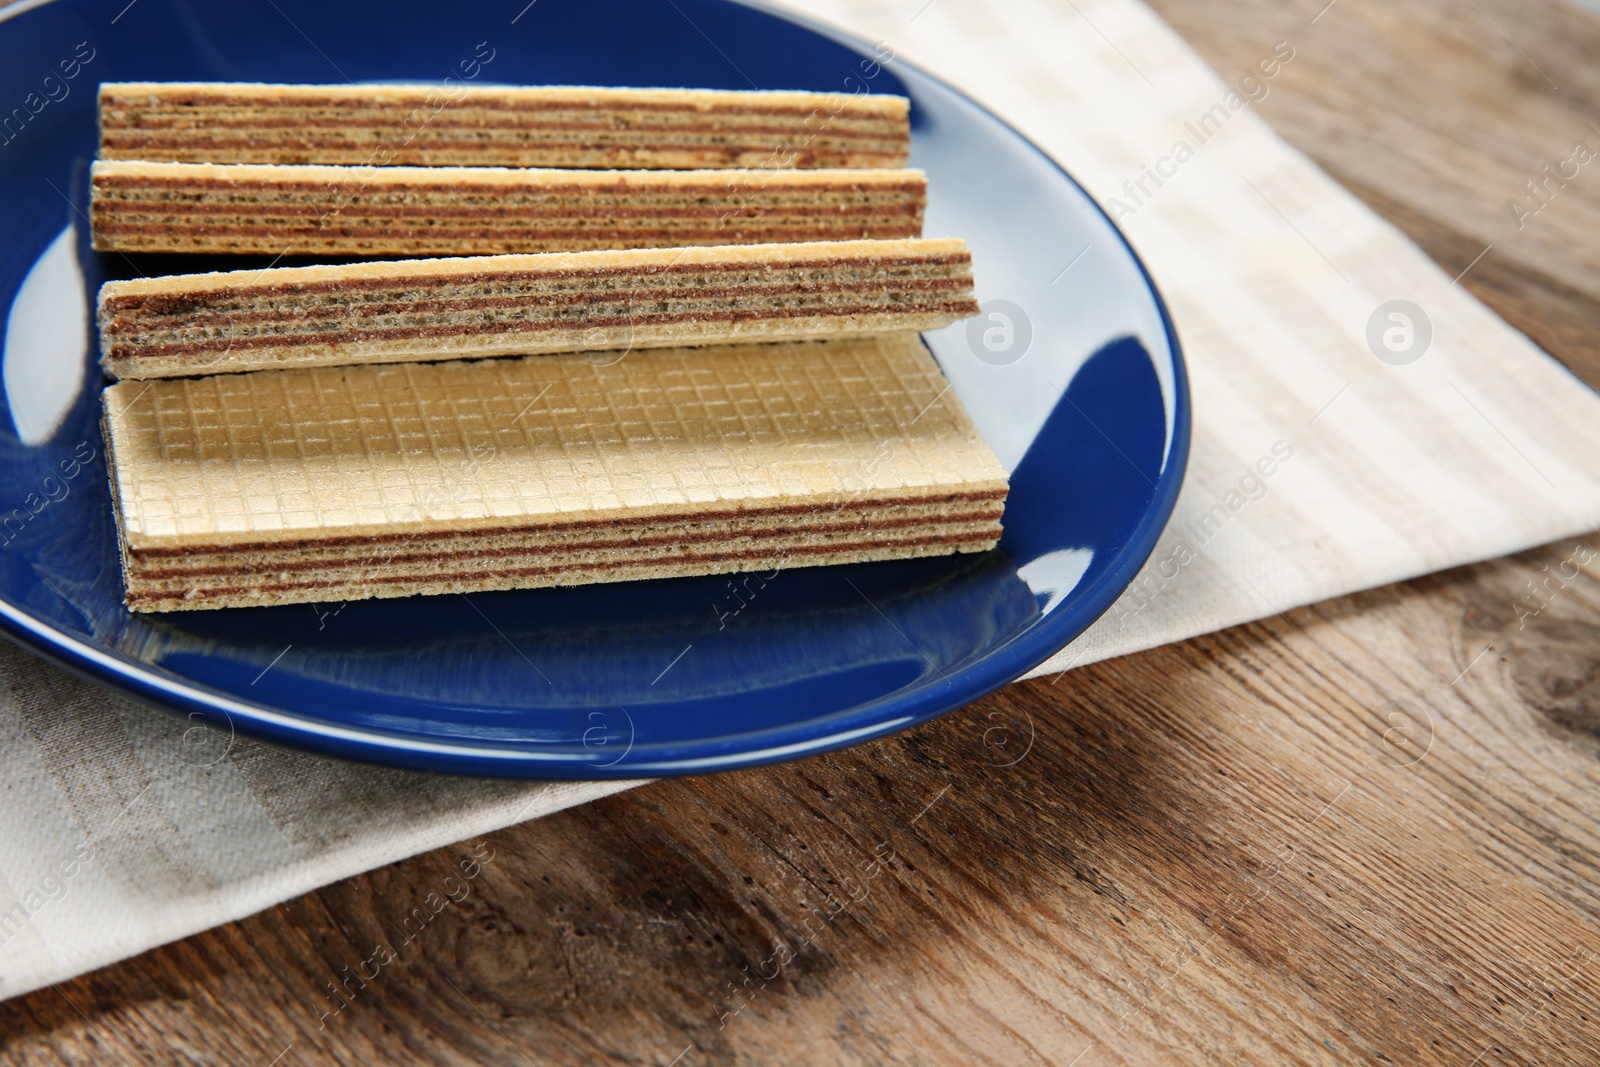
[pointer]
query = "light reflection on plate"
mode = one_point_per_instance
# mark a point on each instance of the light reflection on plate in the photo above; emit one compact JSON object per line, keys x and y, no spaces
{"x":47,"y":341}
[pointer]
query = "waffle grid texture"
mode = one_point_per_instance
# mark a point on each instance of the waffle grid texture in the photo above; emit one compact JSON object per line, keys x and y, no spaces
{"x":301,"y":455}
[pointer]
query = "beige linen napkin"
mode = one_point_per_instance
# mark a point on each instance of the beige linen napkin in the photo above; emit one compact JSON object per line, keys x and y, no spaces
{"x":1318,"y":469}
{"x":1406,"y":427}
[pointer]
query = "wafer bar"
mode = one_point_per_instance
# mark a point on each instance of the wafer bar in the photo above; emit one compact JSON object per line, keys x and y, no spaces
{"x":432,"y":309}
{"x":457,"y":211}
{"x":560,"y":126}
{"x":331,"y":484}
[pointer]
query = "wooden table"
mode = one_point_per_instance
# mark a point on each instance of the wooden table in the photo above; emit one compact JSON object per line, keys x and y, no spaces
{"x":1203,"y":854}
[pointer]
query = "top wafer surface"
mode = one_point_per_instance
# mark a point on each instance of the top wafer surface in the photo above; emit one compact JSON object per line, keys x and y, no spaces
{"x":545,"y":126}
{"x":318,"y":453}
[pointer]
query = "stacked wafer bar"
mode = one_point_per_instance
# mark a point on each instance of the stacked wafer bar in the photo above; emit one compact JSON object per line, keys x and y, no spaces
{"x":413,"y":310}
{"x":188,"y":207}
{"x":329,"y":484}
{"x":560,"y":126}
{"x":350,"y":442}
{"x":402,"y":170}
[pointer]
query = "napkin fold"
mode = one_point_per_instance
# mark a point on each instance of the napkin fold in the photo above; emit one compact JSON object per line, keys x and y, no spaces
{"x":1359,"y":419}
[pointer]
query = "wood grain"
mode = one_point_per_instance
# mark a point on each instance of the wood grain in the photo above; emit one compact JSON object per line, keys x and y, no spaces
{"x":1438,"y":113}
{"x":1225,"y":851}
{"x":1206,"y":853}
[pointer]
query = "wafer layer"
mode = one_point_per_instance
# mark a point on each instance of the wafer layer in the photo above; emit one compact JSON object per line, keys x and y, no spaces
{"x":454,"y":211}
{"x":324,"y":484}
{"x":383,"y":125}
{"x":435,"y":309}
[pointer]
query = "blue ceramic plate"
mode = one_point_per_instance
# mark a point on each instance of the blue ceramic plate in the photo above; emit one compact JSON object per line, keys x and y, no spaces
{"x":1073,"y":374}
